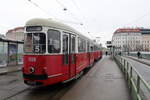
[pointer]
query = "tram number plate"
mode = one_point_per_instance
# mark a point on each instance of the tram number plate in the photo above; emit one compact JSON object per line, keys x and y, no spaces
{"x":31,"y":82}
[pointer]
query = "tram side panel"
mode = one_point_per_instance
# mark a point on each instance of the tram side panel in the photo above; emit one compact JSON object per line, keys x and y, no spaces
{"x":81,"y":61}
{"x":95,"y":55}
{"x":56,"y":71}
{"x":72,"y":67}
{"x":101,"y":54}
{"x":91,"y":58}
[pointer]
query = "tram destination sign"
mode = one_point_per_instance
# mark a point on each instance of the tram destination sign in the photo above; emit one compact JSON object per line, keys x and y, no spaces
{"x":33,"y":28}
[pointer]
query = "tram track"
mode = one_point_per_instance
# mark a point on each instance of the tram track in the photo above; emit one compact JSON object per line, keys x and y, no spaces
{"x":52,"y":92}
{"x":7,"y":98}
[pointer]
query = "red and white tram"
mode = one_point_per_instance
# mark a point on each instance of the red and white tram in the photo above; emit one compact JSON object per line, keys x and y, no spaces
{"x":55,"y":52}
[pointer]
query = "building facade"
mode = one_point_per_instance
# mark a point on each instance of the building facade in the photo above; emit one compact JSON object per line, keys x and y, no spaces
{"x":2,"y":36}
{"x":127,"y":39}
{"x":146,"y":39}
{"x":131,"y":39}
{"x":16,"y":34}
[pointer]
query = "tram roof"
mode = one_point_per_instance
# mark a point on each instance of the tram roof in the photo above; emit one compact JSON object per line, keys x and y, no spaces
{"x":53,"y":24}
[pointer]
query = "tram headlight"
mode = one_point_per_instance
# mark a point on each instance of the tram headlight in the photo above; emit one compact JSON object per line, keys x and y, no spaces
{"x":31,"y":70}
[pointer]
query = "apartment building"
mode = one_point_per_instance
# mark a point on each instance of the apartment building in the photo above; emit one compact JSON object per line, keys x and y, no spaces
{"x":16,"y":34}
{"x":146,"y":39}
{"x":127,"y":39}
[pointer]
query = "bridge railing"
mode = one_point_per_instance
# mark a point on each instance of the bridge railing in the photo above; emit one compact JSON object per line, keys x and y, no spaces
{"x":139,"y":88}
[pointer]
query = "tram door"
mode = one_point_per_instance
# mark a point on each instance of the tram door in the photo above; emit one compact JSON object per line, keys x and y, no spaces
{"x":69,"y":53}
{"x":88,"y":52}
{"x":72,"y":55}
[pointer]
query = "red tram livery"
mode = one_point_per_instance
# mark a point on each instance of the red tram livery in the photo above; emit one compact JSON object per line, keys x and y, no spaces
{"x":55,"y":52}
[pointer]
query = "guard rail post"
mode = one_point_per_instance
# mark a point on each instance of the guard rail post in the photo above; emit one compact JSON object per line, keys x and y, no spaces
{"x":134,"y":80}
{"x":138,"y":84}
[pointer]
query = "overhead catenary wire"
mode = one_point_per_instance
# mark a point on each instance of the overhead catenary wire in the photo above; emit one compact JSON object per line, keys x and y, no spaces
{"x":137,"y":19}
{"x":65,"y":21}
{"x":78,"y":8}
{"x":35,"y":4}
{"x":69,"y":11}
{"x":83,"y":17}
{"x":75,"y":4}
{"x":64,"y":8}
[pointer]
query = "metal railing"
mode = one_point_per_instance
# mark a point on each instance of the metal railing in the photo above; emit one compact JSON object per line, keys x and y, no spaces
{"x":139,"y":88}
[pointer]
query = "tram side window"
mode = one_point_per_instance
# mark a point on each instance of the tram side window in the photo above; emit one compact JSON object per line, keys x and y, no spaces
{"x":65,"y":44}
{"x":92,"y":48}
{"x":81,"y":45}
{"x":73,"y":44}
{"x":65,"y":49}
{"x":53,"y":41}
{"x":88,"y":47}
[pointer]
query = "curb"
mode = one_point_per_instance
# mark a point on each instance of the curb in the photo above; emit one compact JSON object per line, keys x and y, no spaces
{"x":3,"y":73}
{"x":6,"y":72}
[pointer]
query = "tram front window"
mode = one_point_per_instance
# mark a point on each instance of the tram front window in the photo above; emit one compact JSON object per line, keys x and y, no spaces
{"x":35,"y":43}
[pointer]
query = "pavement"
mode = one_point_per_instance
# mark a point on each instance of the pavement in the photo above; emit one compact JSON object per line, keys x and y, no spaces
{"x":141,"y":60}
{"x":9,"y":69}
{"x":103,"y":82}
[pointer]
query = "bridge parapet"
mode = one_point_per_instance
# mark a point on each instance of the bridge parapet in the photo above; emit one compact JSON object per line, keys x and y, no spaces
{"x":139,"y":88}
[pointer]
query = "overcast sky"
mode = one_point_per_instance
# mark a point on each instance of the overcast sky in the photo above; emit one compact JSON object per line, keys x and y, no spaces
{"x":99,"y":17}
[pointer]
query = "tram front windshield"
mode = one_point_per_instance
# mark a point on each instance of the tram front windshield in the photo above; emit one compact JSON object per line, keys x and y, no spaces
{"x":35,"y":43}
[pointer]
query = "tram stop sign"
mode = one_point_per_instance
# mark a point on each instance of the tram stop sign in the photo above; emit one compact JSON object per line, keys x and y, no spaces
{"x":108,"y":44}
